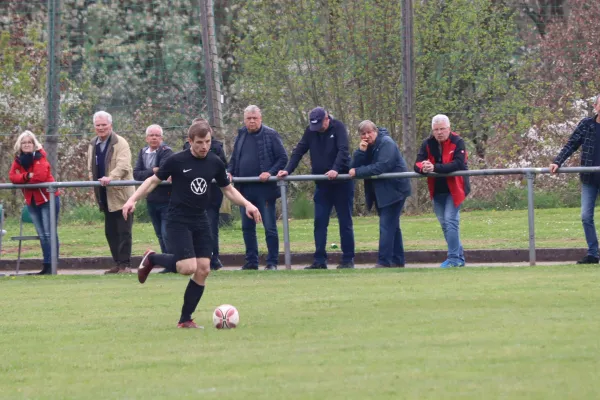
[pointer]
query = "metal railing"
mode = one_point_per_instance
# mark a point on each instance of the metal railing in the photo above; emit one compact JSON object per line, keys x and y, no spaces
{"x":529,"y":173}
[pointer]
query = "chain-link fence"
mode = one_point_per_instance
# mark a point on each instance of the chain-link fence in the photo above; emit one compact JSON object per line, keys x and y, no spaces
{"x":508,"y":74}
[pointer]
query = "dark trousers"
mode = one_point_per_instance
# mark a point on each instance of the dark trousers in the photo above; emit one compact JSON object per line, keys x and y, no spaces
{"x":158,"y":216}
{"x":391,"y":247}
{"x":213,"y":219}
{"x":257,"y":196}
{"x":341,"y":196}
{"x":118,"y":236}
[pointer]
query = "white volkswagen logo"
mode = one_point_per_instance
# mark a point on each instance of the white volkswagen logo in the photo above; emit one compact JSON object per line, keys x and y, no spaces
{"x":198,"y":186}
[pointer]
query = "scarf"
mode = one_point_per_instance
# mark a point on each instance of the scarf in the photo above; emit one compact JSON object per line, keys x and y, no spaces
{"x":26,"y":159}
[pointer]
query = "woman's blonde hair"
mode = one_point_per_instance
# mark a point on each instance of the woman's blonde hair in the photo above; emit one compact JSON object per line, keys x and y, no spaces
{"x":36,"y":143}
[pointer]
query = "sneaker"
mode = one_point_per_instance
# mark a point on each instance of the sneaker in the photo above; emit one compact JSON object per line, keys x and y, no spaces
{"x":316,"y":266}
{"x":249,"y":267}
{"x":145,"y":266}
{"x":588,"y":260}
{"x":216,"y":265}
{"x":271,"y":267}
{"x":189,"y":324}
{"x":449,"y":264}
{"x":345,"y":265}
{"x":113,"y":270}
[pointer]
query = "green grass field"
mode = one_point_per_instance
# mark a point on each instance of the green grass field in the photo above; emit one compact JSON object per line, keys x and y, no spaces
{"x":470,"y":333}
{"x":479,"y":230}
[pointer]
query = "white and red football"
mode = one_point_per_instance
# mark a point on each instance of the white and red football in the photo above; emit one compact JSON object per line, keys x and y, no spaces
{"x":226,"y":316}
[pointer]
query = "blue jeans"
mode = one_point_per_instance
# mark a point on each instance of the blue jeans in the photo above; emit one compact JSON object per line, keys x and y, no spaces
{"x":213,"y":218}
{"x":341,"y":196}
{"x":449,"y":217}
{"x":267,"y":210}
{"x":40,"y":215}
{"x":391,"y":247}
{"x":589,"y":193}
{"x":158,"y":215}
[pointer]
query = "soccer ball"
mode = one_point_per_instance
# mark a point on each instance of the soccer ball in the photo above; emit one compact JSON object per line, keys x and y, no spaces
{"x":226,"y":316}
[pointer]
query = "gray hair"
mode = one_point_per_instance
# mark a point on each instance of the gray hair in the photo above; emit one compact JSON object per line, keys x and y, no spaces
{"x":27,"y":134}
{"x":154,"y":127}
{"x":102,"y":114}
{"x":251,"y":109}
{"x":367,"y":125}
{"x":440,"y":119}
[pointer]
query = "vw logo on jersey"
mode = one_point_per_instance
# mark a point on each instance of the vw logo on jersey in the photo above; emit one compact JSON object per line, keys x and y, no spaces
{"x":198,"y":186}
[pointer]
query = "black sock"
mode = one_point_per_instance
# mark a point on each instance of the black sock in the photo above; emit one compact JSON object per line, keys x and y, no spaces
{"x":164,"y":260}
{"x":191,"y":298}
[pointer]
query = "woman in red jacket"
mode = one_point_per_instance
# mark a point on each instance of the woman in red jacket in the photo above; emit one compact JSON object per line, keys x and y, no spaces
{"x":31,"y":166}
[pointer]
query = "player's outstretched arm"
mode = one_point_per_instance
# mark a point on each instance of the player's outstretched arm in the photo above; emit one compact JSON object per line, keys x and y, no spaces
{"x":149,"y":185}
{"x":236,"y":198}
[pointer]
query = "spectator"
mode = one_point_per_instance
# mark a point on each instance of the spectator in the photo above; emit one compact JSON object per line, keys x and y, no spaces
{"x":587,"y":136}
{"x":215,"y":202}
{"x":444,"y":152}
{"x":258,"y":151}
{"x":109,"y":159}
{"x":150,"y":158}
{"x":31,"y":166}
{"x":327,"y":140}
{"x":378,"y":154}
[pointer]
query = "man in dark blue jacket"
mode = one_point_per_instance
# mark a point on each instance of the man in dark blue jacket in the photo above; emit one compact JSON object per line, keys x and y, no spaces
{"x":150,"y":158}
{"x":215,"y":201}
{"x":258,"y":152}
{"x":379,"y":154}
{"x":327,"y":141}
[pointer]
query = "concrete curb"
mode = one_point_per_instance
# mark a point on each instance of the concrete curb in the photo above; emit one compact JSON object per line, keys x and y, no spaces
{"x":368,"y":257}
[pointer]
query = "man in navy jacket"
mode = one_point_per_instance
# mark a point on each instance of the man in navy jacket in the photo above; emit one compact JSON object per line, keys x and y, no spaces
{"x":327,"y":141}
{"x":379,"y":154}
{"x":258,"y":152}
{"x":149,"y":159}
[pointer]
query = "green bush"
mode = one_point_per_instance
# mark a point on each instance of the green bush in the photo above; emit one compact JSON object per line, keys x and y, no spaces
{"x":91,"y":213}
{"x":515,"y":198}
{"x":83,"y":213}
{"x":302,"y":208}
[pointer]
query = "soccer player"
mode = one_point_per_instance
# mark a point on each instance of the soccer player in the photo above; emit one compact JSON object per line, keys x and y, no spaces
{"x":191,"y":172}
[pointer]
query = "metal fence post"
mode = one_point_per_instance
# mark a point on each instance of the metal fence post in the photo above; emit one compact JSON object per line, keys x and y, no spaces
{"x":286,"y":226}
{"x":53,"y":231}
{"x":530,"y":177}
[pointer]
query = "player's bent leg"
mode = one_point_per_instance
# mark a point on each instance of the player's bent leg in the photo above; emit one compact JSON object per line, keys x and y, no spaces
{"x":202,"y":270}
{"x":186,"y":266}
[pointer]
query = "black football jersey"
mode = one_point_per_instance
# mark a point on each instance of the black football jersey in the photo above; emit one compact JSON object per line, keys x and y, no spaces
{"x":191,"y":178}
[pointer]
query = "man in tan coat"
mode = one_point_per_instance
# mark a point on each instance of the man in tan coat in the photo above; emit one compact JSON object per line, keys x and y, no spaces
{"x":109,"y":159}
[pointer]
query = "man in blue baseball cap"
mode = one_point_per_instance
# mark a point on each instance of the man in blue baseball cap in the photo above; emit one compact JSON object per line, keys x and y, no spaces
{"x":327,"y":141}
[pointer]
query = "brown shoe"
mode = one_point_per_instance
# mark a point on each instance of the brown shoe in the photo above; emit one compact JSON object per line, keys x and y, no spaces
{"x":113,"y":270}
{"x":145,"y":266}
{"x":124,"y":270}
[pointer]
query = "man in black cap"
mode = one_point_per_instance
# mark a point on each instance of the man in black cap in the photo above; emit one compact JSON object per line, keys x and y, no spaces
{"x":327,"y":141}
